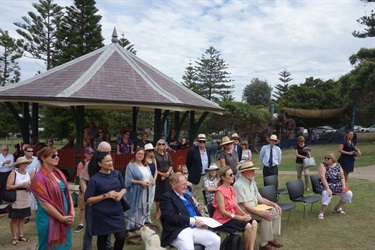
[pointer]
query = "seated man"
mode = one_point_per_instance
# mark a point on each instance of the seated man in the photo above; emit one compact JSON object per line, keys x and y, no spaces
{"x":248,"y":197}
{"x":180,"y":228}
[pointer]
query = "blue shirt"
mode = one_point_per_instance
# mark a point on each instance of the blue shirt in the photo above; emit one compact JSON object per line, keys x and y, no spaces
{"x":204,"y":159}
{"x":264,"y":155}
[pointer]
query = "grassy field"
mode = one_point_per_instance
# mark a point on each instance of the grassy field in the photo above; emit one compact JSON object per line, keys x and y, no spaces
{"x":355,"y":230}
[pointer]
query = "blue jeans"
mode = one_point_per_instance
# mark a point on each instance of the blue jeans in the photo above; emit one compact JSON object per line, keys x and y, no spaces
{"x":87,"y":236}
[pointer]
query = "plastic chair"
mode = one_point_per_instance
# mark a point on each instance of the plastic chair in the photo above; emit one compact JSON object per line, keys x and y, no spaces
{"x":296,"y":191}
{"x":269,"y":193}
{"x":273,"y":180}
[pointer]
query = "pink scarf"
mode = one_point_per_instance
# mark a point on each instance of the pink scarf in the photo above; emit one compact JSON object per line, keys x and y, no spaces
{"x":46,"y":189}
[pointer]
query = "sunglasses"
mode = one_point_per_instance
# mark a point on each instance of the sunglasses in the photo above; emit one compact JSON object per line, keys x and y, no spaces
{"x":202,"y":142}
{"x":231,"y":175}
{"x":30,"y":151}
{"x":150,"y":150}
{"x":5,"y":149}
{"x":54,"y":156}
{"x":236,"y":139}
{"x":327,"y":158}
{"x":161,"y":144}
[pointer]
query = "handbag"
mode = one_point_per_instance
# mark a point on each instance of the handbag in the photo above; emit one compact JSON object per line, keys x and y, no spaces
{"x":125,"y":204}
{"x":10,"y":195}
{"x":309,"y":162}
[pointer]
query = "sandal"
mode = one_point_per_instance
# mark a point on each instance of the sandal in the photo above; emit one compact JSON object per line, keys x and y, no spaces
{"x":22,"y":238}
{"x":321,"y":217}
{"x":339,"y":210}
{"x":15,"y":242}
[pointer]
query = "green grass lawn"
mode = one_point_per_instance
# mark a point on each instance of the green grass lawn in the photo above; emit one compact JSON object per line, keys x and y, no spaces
{"x":355,"y":230}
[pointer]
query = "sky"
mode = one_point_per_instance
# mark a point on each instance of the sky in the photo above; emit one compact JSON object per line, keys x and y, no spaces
{"x":256,"y":38}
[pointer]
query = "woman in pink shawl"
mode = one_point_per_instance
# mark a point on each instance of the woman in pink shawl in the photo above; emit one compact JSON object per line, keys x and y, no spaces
{"x":55,"y":213}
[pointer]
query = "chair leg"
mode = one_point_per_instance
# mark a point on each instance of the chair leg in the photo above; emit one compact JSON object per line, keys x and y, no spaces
{"x":288,"y":217}
{"x":295,"y":215}
{"x":305,"y":212}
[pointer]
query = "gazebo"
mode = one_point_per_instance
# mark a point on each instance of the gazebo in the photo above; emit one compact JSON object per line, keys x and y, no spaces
{"x":107,"y":78}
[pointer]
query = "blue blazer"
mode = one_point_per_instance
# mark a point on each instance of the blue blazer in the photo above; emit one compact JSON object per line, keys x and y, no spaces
{"x":194,"y":164}
{"x":174,"y":216}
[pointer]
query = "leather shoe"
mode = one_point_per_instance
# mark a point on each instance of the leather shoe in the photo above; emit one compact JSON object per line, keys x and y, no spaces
{"x":266,"y":247}
{"x":274,"y":243}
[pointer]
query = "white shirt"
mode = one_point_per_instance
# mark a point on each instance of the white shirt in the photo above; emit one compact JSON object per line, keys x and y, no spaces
{"x":33,"y":165}
{"x":6,"y":167}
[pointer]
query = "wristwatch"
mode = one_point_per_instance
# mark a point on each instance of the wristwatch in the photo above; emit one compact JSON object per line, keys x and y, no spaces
{"x":104,"y":196}
{"x":232,"y":216}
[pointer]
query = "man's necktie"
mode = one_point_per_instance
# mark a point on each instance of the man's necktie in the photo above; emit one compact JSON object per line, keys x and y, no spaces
{"x":270,"y":160}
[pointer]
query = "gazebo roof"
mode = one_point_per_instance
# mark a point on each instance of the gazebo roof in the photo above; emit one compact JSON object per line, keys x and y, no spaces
{"x":108,"y":78}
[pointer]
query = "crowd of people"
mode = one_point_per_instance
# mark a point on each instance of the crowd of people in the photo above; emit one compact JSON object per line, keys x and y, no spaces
{"x":149,"y":177}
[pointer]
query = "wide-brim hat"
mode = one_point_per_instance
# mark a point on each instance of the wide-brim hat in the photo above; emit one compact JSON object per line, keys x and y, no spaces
{"x":213,"y":166}
{"x":22,"y":160}
{"x":273,"y":138}
{"x":225,"y":140}
{"x":149,"y":146}
{"x":201,"y":137}
{"x":249,"y":165}
{"x":235,"y":135}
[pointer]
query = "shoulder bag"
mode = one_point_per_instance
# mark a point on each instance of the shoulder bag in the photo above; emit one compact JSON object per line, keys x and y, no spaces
{"x":10,"y":195}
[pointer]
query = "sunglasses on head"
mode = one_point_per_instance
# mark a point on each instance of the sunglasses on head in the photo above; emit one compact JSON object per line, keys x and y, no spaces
{"x":54,"y":156}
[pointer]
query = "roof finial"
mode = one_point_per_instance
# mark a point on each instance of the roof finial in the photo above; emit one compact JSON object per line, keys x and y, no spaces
{"x":114,"y":36}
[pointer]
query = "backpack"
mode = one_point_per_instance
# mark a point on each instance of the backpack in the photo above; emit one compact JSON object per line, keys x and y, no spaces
{"x":233,"y":242}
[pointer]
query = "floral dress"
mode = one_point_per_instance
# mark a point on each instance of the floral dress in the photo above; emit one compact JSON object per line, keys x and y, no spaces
{"x":210,"y":182}
{"x":333,"y":177}
{"x":125,"y":148}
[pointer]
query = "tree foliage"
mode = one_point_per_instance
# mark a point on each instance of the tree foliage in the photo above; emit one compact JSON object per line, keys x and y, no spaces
{"x":190,"y":79}
{"x":212,"y":75}
{"x":282,"y":88}
{"x":39,"y":30}
{"x":124,"y":42}
{"x":362,"y":55}
{"x":79,"y":32}
{"x":258,"y":92}
{"x":368,"y":24}
{"x":10,"y":52}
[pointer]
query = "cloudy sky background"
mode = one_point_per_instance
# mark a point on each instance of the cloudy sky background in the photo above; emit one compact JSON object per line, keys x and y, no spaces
{"x":256,"y":38}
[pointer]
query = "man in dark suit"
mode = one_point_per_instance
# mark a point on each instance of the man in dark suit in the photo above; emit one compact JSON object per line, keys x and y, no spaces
{"x":237,"y":145}
{"x":180,"y":227}
{"x":198,"y":160}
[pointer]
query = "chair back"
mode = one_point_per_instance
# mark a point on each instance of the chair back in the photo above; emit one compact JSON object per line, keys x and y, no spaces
{"x":295,"y":189}
{"x":268,"y":192}
{"x":271,"y":180}
{"x":314,"y":182}
{"x":204,"y":196}
{"x":210,"y":209}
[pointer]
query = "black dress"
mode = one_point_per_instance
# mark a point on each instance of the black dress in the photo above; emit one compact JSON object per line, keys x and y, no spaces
{"x":163,"y":163}
{"x":347,"y":161}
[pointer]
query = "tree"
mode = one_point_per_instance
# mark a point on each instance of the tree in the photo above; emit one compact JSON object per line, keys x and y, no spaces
{"x":362,"y":55}
{"x":9,"y":68}
{"x":190,"y":79}
{"x":257,"y":93}
{"x":282,"y":88}
{"x":212,"y":75}
{"x":39,"y":31}
{"x":369,"y":26}
{"x":79,"y":32}
{"x":126,"y":44}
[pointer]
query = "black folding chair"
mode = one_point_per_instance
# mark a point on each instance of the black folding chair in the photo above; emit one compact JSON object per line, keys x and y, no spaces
{"x":273,"y":180}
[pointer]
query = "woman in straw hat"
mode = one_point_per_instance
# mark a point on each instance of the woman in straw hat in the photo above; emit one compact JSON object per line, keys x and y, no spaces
{"x":228,"y":157}
{"x":19,"y":180}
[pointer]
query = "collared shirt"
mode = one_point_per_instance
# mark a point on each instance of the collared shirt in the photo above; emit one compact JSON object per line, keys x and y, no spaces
{"x":264,"y":155}
{"x":6,"y":167}
{"x":204,"y":159}
{"x":246,"y":191}
{"x":33,"y":165}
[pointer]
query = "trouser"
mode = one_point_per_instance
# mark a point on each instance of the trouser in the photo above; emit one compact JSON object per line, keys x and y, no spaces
{"x":196,"y":189}
{"x":269,"y":228}
{"x":345,"y":197}
{"x":300,"y":168}
{"x":267,"y":171}
{"x":190,"y":236}
{"x":87,"y":236}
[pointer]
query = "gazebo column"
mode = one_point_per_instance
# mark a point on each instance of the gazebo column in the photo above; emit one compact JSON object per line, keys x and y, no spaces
{"x":79,"y":113}
{"x":135,"y":118}
{"x":177,"y":122}
{"x":34,"y":118}
{"x":194,"y":127}
{"x":22,"y":122}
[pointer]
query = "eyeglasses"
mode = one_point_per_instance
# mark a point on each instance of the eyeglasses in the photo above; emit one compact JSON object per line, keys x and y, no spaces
{"x":202,"y":142}
{"x":54,"y":156}
{"x":231,"y":175}
{"x":161,"y":144}
{"x":5,"y":149}
{"x":327,"y":158}
{"x":30,"y":151}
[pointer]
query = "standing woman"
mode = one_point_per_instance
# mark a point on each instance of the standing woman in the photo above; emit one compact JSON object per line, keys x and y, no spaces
{"x":19,"y":180}
{"x":165,"y":168}
{"x":301,"y":153}
{"x":348,"y":151}
{"x":55,"y":213}
{"x":246,"y":152}
{"x":228,"y":157}
{"x":138,"y":180}
{"x":104,"y":192}
{"x":151,"y":161}
{"x":99,"y":137}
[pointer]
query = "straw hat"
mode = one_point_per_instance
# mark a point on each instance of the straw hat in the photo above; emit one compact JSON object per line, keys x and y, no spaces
{"x":149,"y":146}
{"x":235,"y":135}
{"x":213,"y":166}
{"x":201,"y":137}
{"x":247,"y":166}
{"x":273,"y":138}
{"x":22,"y":160}
{"x":225,"y":140}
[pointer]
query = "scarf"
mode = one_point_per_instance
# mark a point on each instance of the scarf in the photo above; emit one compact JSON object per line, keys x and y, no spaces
{"x":46,"y":189}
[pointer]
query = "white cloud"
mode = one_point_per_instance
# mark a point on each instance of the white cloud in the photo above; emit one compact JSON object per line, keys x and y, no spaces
{"x":256,"y":38}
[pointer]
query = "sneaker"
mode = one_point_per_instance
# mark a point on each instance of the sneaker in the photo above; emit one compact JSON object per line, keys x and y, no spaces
{"x":79,"y":228}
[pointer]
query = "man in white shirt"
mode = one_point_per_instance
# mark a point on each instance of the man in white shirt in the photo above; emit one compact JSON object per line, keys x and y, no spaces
{"x":6,"y":166}
{"x":270,"y":157}
{"x":29,"y":151}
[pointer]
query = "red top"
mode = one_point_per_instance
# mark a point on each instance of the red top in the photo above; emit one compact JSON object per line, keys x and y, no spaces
{"x":230,"y":203}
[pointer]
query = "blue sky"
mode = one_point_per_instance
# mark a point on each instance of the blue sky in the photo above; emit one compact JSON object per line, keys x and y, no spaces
{"x":256,"y":38}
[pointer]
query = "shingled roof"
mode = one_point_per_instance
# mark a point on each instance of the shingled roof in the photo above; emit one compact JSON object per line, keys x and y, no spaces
{"x":108,"y":78}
